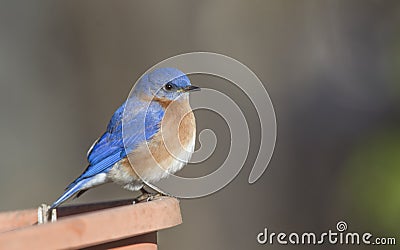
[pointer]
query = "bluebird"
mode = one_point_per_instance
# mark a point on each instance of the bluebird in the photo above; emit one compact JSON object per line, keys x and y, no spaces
{"x":140,"y":145}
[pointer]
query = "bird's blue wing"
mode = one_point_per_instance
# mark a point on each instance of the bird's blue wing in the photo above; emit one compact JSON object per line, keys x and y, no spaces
{"x":141,"y":123}
{"x":110,"y":147}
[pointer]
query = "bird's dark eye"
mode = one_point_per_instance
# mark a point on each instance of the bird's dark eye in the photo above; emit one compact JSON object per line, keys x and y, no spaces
{"x":168,"y":86}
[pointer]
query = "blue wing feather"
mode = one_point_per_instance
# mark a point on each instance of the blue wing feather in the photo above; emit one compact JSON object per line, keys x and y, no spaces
{"x":109,"y":149}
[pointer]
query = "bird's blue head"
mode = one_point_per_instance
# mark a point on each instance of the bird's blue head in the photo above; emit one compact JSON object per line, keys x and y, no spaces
{"x":165,"y":83}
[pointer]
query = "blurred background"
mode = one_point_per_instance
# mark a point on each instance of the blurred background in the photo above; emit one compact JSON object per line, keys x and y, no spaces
{"x":331,"y":69}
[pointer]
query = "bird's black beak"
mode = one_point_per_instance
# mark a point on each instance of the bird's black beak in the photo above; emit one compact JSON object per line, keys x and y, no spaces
{"x":191,"y":88}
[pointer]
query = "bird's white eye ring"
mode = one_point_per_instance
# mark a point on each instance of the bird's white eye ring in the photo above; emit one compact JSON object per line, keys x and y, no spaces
{"x":168,"y":87}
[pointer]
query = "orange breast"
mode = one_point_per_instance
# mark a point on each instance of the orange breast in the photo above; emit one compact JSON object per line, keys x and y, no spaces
{"x":170,"y":147}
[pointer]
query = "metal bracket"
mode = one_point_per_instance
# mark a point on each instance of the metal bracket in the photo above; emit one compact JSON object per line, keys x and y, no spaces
{"x":45,"y":215}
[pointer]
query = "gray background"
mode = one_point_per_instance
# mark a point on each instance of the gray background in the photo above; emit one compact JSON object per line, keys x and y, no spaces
{"x":330,"y":67}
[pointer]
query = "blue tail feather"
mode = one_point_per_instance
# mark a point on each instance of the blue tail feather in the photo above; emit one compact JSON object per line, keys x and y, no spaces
{"x":69,"y":193}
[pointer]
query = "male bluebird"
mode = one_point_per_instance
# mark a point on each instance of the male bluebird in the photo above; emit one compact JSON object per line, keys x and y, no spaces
{"x":138,"y":145}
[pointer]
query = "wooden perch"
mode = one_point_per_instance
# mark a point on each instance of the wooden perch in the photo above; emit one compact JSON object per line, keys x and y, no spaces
{"x":107,"y":225}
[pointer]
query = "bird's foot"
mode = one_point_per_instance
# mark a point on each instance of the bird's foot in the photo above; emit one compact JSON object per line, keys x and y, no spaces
{"x":147,"y":197}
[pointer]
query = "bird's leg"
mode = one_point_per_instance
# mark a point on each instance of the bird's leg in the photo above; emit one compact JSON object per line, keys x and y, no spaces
{"x":147,"y":196}
{"x":157,"y":193}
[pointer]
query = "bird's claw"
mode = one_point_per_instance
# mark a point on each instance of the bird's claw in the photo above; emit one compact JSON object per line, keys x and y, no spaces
{"x":147,"y":197}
